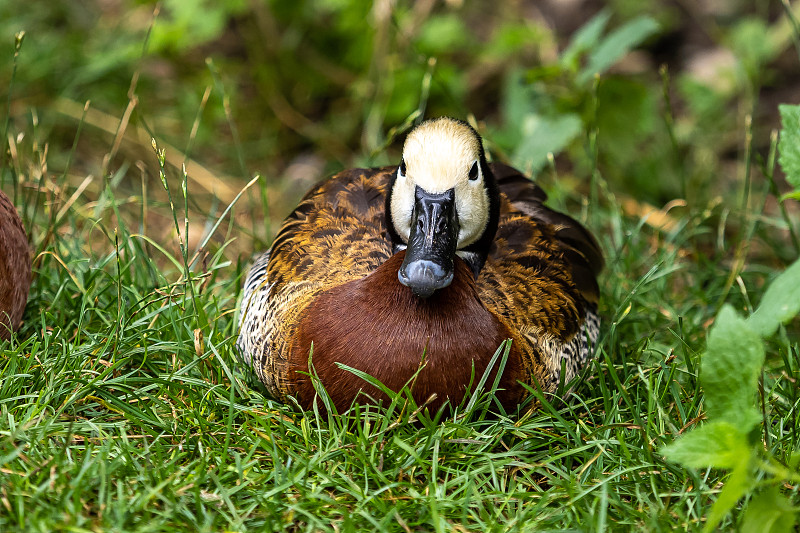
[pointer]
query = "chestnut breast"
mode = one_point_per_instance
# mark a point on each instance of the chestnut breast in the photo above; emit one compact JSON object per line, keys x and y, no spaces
{"x":378,"y":326}
{"x":15,"y":268}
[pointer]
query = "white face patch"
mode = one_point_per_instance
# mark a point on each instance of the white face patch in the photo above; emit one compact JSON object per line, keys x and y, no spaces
{"x":440,"y":155}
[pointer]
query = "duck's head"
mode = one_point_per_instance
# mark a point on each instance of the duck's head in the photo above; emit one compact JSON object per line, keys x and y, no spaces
{"x":443,"y":202}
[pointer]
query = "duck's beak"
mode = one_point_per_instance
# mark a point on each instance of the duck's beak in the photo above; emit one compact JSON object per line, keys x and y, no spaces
{"x":428,"y":265}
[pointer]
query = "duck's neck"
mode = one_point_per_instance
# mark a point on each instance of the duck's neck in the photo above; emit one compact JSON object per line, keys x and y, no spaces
{"x":378,"y":326}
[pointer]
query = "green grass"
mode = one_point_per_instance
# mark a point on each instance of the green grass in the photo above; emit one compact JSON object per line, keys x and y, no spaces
{"x":123,"y":405}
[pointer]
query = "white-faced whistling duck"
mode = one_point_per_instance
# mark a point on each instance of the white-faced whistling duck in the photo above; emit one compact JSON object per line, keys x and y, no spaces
{"x":15,"y":268}
{"x":435,"y":261}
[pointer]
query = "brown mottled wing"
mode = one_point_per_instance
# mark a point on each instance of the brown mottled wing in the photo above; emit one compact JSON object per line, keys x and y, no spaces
{"x":583,"y":252}
{"x":311,"y":253}
{"x":550,"y":262}
{"x":15,"y":268}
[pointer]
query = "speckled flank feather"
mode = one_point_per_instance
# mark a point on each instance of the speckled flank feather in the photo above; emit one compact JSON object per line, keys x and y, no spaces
{"x":539,"y":279}
{"x":335,"y":235}
{"x":15,"y":268}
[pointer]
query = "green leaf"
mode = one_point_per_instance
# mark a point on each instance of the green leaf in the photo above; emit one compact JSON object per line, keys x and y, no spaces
{"x":750,"y":41}
{"x":585,"y":39}
{"x":442,"y":33}
{"x":717,"y":444}
{"x":616,"y":45}
{"x":518,"y":101}
{"x":730,"y":368}
{"x":543,"y":135}
{"x":769,"y":512}
{"x":737,"y":485}
{"x":513,"y":37}
{"x":789,"y":144}
{"x":781,"y":302}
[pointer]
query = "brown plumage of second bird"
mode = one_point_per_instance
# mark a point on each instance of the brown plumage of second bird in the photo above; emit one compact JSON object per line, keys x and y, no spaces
{"x":15,"y":268}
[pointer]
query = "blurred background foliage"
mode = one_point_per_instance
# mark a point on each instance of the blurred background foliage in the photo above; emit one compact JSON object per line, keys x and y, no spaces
{"x":656,"y":97}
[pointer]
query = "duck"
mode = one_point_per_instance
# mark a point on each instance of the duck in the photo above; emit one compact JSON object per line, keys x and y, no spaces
{"x":415,"y":274}
{"x":15,"y":268}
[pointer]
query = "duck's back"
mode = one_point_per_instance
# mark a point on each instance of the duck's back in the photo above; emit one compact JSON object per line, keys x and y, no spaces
{"x":539,"y":278}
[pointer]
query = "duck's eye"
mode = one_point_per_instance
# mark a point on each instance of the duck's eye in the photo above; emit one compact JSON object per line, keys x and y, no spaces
{"x":402,"y":167}
{"x":473,"y":172}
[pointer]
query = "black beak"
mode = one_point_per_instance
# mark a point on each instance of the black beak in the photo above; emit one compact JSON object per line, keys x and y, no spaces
{"x":431,"y":250}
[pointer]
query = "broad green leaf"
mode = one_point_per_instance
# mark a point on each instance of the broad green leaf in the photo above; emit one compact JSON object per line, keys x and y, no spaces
{"x":729,"y":370}
{"x":751,"y":43}
{"x":616,"y":45}
{"x":769,"y":512}
{"x":737,"y":485}
{"x":543,"y":135}
{"x":585,"y":39}
{"x":789,"y":144}
{"x":512,"y":37}
{"x":518,"y":101}
{"x":781,"y":302}
{"x":180,"y":27}
{"x":441,"y":33}
{"x":717,"y":444}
